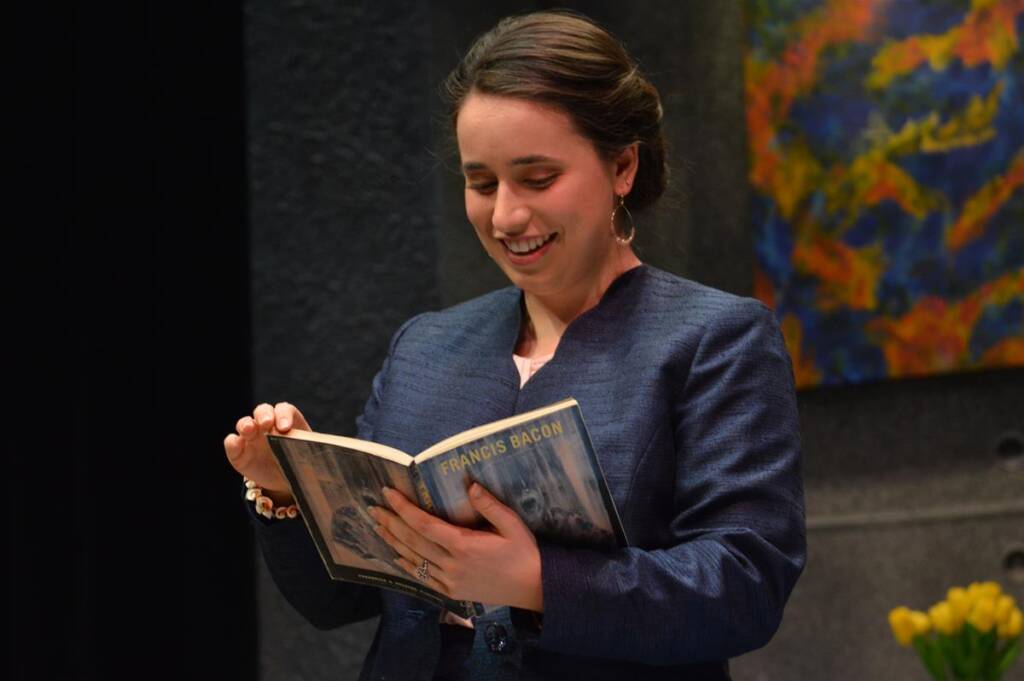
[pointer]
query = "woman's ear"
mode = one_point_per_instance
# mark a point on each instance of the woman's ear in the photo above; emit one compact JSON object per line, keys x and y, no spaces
{"x":626,"y":165}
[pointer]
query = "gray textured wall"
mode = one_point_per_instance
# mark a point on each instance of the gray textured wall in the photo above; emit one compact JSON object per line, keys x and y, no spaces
{"x":357,"y":223}
{"x":344,"y":234}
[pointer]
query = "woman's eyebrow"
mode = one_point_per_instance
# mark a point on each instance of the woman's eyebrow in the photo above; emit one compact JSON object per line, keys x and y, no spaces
{"x":530,"y":160}
{"x":521,"y":161}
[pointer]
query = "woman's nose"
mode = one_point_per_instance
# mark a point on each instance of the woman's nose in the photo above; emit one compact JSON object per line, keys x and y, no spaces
{"x":510,"y":214}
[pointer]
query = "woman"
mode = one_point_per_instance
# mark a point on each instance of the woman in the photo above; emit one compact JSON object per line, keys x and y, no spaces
{"x":687,"y":392}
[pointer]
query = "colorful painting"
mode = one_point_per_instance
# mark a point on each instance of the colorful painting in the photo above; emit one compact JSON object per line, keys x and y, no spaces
{"x":886,"y":143}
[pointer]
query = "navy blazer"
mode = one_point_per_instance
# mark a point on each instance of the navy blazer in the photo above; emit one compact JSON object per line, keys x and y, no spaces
{"x":689,"y":398}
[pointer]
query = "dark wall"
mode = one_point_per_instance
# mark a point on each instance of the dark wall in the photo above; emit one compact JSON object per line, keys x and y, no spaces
{"x":358,"y":223}
{"x":344,"y":239}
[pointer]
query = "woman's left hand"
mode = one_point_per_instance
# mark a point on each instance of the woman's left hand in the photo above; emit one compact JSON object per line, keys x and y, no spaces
{"x":499,"y":567}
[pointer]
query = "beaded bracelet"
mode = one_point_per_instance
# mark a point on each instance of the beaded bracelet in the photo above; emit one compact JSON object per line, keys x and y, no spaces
{"x":265,"y":505}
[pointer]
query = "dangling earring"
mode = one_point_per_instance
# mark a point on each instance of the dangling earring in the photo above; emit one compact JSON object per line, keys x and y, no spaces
{"x":624,"y":240}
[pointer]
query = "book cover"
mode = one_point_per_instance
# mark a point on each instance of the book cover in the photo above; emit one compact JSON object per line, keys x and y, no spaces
{"x":542,"y":464}
{"x":544,"y":468}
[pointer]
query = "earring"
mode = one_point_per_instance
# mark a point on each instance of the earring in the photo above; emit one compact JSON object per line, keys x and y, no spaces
{"x":624,"y":240}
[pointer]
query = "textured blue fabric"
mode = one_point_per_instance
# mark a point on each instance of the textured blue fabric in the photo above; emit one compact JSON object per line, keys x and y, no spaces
{"x":688,"y":396}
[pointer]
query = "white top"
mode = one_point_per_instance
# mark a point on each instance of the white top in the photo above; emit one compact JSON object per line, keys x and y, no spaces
{"x":528,"y":366}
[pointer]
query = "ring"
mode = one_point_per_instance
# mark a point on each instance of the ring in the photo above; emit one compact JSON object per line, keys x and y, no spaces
{"x":423,"y":571}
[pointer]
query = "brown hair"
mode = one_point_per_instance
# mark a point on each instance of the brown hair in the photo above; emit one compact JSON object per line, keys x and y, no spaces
{"x":564,"y":59}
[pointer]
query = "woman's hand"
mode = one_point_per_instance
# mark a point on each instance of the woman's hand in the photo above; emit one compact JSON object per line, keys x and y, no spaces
{"x":249,"y":453}
{"x":500,"y":566}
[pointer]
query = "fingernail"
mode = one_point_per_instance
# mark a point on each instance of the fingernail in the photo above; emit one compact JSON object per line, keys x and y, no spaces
{"x":284,"y":424}
{"x":385,"y":491}
{"x":474,"y":490}
{"x":372,"y":510}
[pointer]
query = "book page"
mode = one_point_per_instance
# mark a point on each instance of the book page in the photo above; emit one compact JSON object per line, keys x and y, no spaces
{"x":383,"y":451}
{"x":337,"y":486}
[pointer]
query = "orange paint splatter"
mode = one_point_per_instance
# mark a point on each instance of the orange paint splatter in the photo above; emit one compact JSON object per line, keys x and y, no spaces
{"x":887,"y":181}
{"x":988,"y":35}
{"x":935,"y":334}
{"x":764,"y":289}
{"x":1006,"y":353}
{"x":848,"y":276}
{"x":771,"y":88}
{"x":805,"y":372}
{"x":980,"y":207}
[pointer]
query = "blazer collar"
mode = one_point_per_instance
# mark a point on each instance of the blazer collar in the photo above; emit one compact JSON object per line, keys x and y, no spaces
{"x":614,"y":304}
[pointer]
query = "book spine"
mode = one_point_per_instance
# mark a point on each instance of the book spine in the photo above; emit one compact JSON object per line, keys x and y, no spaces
{"x":426,"y":502}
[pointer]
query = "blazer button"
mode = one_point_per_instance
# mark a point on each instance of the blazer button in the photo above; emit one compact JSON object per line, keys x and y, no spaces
{"x":496,"y":637}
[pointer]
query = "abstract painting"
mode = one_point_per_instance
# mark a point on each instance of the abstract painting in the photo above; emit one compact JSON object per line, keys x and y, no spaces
{"x":886,"y":149}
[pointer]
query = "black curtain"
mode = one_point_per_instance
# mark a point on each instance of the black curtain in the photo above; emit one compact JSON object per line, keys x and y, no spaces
{"x":131,"y":549}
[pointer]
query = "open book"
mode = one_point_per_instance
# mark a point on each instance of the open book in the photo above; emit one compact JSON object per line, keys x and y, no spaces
{"x":540,"y":463}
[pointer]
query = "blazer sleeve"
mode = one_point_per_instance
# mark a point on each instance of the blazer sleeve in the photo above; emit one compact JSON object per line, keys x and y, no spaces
{"x":738,"y":518}
{"x":293,"y":560}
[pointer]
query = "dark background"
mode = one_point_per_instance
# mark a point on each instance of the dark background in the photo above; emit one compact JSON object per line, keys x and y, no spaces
{"x":262,"y":194}
{"x":132,"y":555}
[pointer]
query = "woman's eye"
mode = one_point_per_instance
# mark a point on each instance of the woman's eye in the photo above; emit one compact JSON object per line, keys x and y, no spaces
{"x":540,"y":182}
{"x":533,"y":183}
{"x":482,"y":187}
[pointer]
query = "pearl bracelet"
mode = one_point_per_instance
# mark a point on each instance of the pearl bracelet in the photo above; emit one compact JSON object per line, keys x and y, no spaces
{"x":265,"y":505}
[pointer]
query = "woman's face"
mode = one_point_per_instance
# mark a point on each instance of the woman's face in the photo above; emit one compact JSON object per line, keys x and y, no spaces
{"x":539,"y":195}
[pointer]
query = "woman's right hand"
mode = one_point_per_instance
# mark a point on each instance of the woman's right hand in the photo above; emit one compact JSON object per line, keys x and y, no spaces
{"x":249,"y":453}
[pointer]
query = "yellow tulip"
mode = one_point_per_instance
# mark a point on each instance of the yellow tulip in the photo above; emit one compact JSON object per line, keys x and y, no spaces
{"x":902,"y":625}
{"x":983,"y":614}
{"x":959,"y":601}
{"x":973,"y":590}
{"x":979,"y":590}
{"x":1012,"y":626}
{"x":990,"y":590}
{"x":922,"y":624}
{"x":1004,"y":606}
{"x":943,"y":618}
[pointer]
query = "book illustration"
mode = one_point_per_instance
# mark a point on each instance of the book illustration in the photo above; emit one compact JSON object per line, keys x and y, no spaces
{"x":339,"y":487}
{"x":334,"y":486}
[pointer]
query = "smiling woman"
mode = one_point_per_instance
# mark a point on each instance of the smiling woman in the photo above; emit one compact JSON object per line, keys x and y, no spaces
{"x":557,"y":129}
{"x":687,"y":392}
{"x":545,"y":218}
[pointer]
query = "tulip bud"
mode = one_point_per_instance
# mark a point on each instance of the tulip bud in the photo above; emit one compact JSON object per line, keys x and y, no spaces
{"x":959,"y":602}
{"x":1012,"y":626}
{"x":1004,"y":606}
{"x":974,"y":592}
{"x":943,"y":618}
{"x":978,"y":590}
{"x":983,"y":614}
{"x":990,"y":590}
{"x":902,"y":625}
{"x":922,"y":625}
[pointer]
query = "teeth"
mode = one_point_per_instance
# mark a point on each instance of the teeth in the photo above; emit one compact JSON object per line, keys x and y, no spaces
{"x":527,"y":245}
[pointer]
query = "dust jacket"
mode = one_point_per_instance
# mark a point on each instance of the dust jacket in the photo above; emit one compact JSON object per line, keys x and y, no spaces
{"x":541,"y":463}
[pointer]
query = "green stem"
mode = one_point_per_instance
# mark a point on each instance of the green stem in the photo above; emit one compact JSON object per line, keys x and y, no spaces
{"x":930,"y":654}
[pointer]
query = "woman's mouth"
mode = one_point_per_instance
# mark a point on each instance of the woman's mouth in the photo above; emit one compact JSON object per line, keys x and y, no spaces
{"x":526,"y":251}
